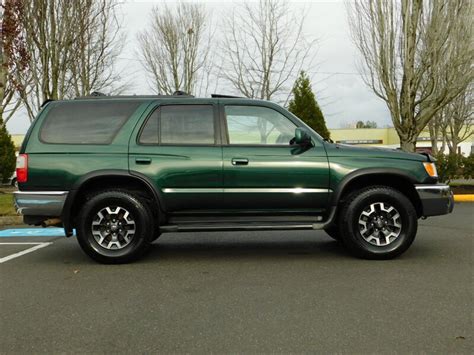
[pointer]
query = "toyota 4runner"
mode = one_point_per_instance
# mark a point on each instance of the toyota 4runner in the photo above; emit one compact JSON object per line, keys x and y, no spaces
{"x":122,"y":170}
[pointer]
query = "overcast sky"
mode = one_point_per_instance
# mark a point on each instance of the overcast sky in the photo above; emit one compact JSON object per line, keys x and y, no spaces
{"x":342,"y":95}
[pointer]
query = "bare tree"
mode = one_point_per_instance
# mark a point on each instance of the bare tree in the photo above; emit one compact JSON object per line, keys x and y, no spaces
{"x":417,"y":56}
{"x":347,"y":125}
{"x":437,"y":130}
{"x":366,"y":124}
{"x":48,"y":30}
{"x":98,"y":44}
{"x":459,"y":118}
{"x":175,"y":49}
{"x":13,"y":58}
{"x":70,"y":49}
{"x":264,"y":48}
{"x":452,"y":125}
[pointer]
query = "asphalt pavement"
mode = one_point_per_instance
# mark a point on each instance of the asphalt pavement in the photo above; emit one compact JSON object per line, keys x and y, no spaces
{"x":242,"y":292}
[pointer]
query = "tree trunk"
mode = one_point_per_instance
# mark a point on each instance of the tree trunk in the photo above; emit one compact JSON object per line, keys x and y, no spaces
{"x":453,"y":147}
{"x":408,"y":145}
{"x":433,"y":136}
{"x":443,"y":145}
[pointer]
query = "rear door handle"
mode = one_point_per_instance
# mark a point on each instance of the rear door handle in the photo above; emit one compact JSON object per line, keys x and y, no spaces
{"x":240,"y":161}
{"x":143,"y":161}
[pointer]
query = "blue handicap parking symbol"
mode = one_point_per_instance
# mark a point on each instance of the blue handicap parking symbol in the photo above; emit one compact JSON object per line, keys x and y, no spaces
{"x":32,"y":232}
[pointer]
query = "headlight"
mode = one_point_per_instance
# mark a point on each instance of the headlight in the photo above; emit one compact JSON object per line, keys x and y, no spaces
{"x":431,"y":169}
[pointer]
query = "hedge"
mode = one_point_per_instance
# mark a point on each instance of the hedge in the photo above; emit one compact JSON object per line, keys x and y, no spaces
{"x":454,"y":166}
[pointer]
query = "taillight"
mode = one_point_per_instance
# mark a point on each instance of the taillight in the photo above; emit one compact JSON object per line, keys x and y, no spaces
{"x":22,"y":168}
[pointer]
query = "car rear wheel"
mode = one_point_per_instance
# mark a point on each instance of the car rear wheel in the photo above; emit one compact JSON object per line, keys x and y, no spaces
{"x":378,"y":223}
{"x":115,"y":227}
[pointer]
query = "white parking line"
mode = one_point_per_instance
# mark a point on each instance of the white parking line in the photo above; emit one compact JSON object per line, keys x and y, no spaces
{"x":29,"y":250}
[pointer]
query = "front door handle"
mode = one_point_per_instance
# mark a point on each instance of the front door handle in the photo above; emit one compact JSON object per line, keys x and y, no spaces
{"x":240,"y":161}
{"x":143,"y":161}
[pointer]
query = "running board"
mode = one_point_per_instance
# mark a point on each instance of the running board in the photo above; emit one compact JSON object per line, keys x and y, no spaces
{"x":239,"y":227}
{"x":239,"y":219}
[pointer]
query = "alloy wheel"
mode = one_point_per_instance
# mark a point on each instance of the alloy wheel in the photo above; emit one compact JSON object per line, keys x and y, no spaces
{"x":380,"y":224}
{"x":113,"y":227}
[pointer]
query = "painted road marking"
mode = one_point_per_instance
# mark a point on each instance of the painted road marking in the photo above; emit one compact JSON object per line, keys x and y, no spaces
{"x":26,"y":251}
{"x":32,"y":232}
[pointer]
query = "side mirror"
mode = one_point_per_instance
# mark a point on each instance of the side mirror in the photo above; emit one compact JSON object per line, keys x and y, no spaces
{"x":302,"y":137}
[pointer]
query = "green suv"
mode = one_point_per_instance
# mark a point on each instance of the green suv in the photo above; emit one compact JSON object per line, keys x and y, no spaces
{"x":122,"y":170}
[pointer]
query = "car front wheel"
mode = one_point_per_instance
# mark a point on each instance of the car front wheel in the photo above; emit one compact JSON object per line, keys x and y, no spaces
{"x":115,"y":227}
{"x":378,"y":223}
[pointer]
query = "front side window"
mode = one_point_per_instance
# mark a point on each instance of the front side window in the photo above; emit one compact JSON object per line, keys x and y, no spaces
{"x":258,"y":126}
{"x":94,"y":122}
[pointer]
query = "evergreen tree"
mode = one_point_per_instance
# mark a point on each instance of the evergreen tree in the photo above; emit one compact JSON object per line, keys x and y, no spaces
{"x":7,"y":154}
{"x":304,"y":106}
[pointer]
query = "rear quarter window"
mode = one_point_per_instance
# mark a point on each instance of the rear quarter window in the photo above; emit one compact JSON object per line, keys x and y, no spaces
{"x":93,"y":122}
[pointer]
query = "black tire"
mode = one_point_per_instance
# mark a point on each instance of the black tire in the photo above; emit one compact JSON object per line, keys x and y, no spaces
{"x":354,"y":224}
{"x":333,"y":232}
{"x":118,"y":201}
{"x":15,"y":183}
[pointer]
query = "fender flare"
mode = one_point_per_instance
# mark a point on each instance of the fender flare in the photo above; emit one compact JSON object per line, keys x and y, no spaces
{"x":73,"y":192}
{"x":339,"y":189}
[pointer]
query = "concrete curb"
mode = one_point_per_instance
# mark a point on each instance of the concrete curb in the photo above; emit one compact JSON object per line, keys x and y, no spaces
{"x":464,"y":198}
{"x":10,"y":220}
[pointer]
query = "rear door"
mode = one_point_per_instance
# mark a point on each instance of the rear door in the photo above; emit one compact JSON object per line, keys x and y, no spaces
{"x":177,"y":146}
{"x":262,"y":170}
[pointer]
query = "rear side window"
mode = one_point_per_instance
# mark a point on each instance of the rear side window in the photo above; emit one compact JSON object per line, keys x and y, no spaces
{"x":96,"y":122}
{"x":180,"y":124}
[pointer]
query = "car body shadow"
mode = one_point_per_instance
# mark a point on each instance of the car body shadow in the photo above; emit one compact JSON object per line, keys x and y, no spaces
{"x":223,"y":247}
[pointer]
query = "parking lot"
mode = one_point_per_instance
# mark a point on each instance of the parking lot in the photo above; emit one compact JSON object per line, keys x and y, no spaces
{"x":242,"y":292}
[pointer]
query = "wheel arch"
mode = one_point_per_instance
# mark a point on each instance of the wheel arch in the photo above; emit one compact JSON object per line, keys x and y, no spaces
{"x":100,"y":179}
{"x":399,"y":180}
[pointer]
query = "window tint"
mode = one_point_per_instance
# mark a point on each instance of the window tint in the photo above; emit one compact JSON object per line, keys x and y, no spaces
{"x":258,"y":125}
{"x":85,"y":122}
{"x":187,"y":124}
{"x":149,"y":133}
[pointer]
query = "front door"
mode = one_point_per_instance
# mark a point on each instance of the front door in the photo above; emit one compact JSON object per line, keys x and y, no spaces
{"x":262,"y":171}
{"x":178,"y":149}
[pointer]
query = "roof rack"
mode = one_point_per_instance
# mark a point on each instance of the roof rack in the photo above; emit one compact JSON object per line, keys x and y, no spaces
{"x":100,"y":95}
{"x":219,"y":96}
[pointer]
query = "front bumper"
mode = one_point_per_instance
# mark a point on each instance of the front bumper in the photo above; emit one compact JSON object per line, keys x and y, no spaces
{"x":40,"y":203}
{"x":435,"y":199}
